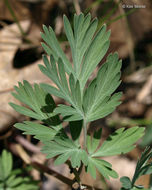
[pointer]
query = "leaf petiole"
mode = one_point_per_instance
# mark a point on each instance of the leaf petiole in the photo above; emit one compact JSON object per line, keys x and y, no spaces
{"x":84,"y":133}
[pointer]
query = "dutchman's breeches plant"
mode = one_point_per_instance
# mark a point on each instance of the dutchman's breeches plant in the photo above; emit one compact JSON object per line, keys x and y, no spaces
{"x":86,"y":100}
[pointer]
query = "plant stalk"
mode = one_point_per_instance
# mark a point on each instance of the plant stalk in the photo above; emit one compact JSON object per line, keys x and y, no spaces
{"x":14,"y":17}
{"x":74,"y":170}
{"x":84,"y":133}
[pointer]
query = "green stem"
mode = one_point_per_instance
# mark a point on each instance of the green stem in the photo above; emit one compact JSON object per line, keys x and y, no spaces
{"x":121,"y":16}
{"x":97,"y":2}
{"x":14,"y":17}
{"x":108,"y":15}
{"x":84,"y":134}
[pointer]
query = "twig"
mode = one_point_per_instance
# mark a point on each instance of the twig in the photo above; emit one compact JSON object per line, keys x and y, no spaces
{"x":8,"y":134}
{"x":53,"y":173}
{"x":26,"y":158}
{"x":62,"y":178}
{"x":93,"y":5}
{"x":77,"y":6}
{"x":2,"y":23}
{"x":21,"y":152}
{"x":6,"y":90}
{"x":26,"y":144}
{"x":144,"y":95}
{"x":74,"y":170}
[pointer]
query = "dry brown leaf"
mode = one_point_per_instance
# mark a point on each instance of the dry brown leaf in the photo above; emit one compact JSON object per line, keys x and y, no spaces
{"x":144,"y":96}
{"x":123,"y":166}
{"x":10,"y":40}
{"x":10,"y":78}
{"x":127,"y":31}
{"x":19,"y":9}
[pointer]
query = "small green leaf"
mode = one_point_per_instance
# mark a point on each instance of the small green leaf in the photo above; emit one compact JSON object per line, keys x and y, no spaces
{"x":65,"y":149}
{"x":126,"y":183}
{"x":6,"y":164}
{"x":8,"y":178}
{"x":147,"y":140}
{"x":14,"y":181}
{"x":91,"y":168}
{"x":40,"y":103}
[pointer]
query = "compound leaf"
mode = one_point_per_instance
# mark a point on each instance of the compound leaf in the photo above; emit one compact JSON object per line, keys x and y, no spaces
{"x":8,"y":178}
{"x":122,"y":141}
{"x":65,"y":149}
{"x":40,"y":103}
{"x":88,"y":48}
{"x":72,"y":95}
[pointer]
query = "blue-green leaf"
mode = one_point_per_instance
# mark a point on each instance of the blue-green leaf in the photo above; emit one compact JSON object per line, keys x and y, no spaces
{"x":55,"y":49}
{"x":102,"y":166}
{"x":6,"y":164}
{"x":25,"y":111}
{"x":39,"y":131}
{"x":94,"y":54}
{"x":126,"y":183}
{"x":40,"y":103}
{"x":65,"y":149}
{"x":69,"y":33}
{"x":93,"y":143}
{"x":122,"y":141}
{"x":102,"y":87}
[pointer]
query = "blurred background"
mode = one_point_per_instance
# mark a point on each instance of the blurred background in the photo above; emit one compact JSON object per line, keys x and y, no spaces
{"x":130,"y":22}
